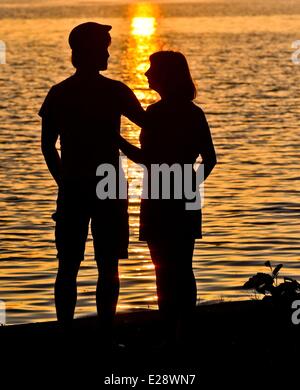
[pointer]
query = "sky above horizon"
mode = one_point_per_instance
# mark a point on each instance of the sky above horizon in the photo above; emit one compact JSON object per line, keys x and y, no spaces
{"x":83,"y":2}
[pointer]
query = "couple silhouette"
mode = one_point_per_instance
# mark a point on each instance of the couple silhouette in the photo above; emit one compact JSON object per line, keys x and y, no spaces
{"x":84,"y":112}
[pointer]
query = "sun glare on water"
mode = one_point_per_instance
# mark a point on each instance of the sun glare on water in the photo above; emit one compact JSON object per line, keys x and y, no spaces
{"x":143,"y":26}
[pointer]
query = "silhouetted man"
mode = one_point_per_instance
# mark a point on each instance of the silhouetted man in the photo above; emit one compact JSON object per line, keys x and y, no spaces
{"x":84,"y":111}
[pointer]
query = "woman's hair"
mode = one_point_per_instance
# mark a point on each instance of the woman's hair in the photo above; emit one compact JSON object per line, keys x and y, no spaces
{"x":173,"y":74}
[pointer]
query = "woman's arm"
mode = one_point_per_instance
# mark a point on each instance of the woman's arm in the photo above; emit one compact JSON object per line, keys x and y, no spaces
{"x":207,"y":150}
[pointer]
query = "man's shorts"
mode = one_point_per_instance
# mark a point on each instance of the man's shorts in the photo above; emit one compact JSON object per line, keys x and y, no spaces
{"x":77,"y":205}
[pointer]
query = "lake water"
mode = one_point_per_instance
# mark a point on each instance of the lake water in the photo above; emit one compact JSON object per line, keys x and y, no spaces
{"x":240,"y":57}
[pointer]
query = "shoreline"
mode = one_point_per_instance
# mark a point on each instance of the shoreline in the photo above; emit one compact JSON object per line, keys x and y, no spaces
{"x":237,"y":334}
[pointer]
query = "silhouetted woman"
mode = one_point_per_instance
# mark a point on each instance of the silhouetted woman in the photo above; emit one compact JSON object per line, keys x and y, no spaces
{"x":176,"y":133}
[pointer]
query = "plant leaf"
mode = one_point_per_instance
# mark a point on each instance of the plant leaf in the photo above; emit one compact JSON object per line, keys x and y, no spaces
{"x":260,"y":282}
{"x":268,"y":264}
{"x":277,"y":269}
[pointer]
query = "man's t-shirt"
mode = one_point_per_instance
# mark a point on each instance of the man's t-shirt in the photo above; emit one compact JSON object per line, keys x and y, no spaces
{"x":86,"y":113}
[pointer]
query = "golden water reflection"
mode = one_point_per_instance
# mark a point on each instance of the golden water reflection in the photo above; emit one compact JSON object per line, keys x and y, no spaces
{"x":143,"y":26}
{"x":143,"y":41}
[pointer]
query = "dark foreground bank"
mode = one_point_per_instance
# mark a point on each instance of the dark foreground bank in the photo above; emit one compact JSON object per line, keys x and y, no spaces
{"x":230,"y":337}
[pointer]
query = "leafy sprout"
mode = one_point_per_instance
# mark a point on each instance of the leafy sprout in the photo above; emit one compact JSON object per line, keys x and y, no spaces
{"x":267,"y":284}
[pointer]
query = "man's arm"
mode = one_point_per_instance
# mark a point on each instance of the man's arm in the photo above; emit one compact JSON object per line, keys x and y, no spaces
{"x":51,"y":155}
{"x":131,"y":107}
{"x":132,"y":152}
{"x":137,"y":115}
